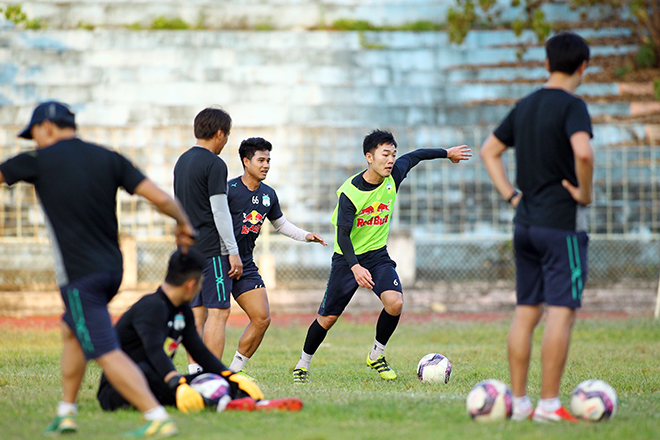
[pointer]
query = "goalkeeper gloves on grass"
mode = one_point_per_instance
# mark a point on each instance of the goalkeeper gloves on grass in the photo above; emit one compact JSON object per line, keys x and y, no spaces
{"x":187,"y":399}
{"x":244,"y":384}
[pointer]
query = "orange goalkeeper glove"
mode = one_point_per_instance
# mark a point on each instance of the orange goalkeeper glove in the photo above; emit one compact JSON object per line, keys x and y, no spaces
{"x":244,"y":384}
{"x":187,"y":399}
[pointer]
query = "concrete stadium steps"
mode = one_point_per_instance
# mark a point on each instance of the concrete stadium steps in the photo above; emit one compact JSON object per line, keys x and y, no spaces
{"x":125,"y":77}
{"x":280,"y":14}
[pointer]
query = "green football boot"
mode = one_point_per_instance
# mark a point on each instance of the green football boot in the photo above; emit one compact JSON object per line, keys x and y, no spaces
{"x":300,"y":375}
{"x":154,"y":428}
{"x":62,"y":425}
{"x":382,"y":367}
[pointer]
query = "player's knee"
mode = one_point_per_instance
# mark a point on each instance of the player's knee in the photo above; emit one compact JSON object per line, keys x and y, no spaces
{"x":261,"y":322}
{"x":327,"y":321}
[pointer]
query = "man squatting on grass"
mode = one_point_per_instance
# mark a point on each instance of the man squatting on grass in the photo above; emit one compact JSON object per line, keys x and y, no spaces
{"x":200,"y":183}
{"x":77,"y":186}
{"x":550,"y":130}
{"x":251,"y":201}
{"x":150,"y":333}
{"x":362,"y":222}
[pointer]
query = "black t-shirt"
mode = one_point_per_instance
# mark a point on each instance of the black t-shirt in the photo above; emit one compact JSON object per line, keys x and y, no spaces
{"x":249,"y":209}
{"x":539,"y":127}
{"x":152,"y":330}
{"x":77,"y":185}
{"x":198,"y":175}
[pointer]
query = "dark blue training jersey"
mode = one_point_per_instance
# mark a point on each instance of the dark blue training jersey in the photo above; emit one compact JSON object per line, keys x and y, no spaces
{"x":249,"y":209}
{"x":77,"y":185}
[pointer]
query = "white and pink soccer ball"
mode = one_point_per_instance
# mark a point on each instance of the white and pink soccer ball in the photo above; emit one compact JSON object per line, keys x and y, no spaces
{"x":434,"y":368}
{"x":594,"y":400}
{"x":490,"y":400}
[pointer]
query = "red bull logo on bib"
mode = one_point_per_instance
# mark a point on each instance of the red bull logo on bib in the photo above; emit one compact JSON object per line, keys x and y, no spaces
{"x":374,"y":214}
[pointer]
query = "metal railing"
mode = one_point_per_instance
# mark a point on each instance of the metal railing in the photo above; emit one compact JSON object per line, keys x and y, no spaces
{"x":460,"y":224}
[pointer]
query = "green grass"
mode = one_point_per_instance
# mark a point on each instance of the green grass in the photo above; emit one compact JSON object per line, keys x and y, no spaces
{"x":345,"y":399}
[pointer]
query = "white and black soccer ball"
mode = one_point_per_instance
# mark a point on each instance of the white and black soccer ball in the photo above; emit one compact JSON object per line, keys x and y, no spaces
{"x":594,"y":400}
{"x":490,"y":400}
{"x":434,"y":368}
{"x":214,"y":389}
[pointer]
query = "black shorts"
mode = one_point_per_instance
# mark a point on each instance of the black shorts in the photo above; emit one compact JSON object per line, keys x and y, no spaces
{"x":216,"y":285}
{"x":250,"y":280}
{"x":342,"y":285}
{"x":86,"y":312}
{"x":551,"y":265}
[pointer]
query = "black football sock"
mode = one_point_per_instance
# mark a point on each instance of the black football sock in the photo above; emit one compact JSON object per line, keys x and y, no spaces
{"x":385,"y":326}
{"x":315,"y":336}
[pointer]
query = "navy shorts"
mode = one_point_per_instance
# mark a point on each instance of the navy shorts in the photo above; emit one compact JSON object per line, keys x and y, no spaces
{"x":551,"y":265}
{"x":86,"y":312}
{"x":342,"y":285}
{"x":250,"y":280}
{"x":216,"y":285}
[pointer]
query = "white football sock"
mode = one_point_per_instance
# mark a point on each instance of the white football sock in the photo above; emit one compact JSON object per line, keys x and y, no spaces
{"x":376,"y":351}
{"x":550,"y":405}
{"x":157,"y":413}
{"x":239,"y":361}
{"x":522,"y":404}
{"x":305,"y":360}
{"x":194,"y":368}
{"x":66,"y":409}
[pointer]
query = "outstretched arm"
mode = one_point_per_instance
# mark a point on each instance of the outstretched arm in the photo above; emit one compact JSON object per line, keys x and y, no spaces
{"x":409,"y":160}
{"x":184,"y":232}
{"x":285,"y":227}
{"x":491,"y":153}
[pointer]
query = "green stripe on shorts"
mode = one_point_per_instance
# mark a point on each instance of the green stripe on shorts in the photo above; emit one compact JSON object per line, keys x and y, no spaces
{"x":79,"y":321}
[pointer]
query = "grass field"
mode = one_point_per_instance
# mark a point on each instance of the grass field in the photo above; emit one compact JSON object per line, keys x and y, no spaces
{"x":347,"y":400}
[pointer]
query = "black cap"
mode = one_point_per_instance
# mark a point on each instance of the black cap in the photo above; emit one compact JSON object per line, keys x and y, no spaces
{"x":52,"y":111}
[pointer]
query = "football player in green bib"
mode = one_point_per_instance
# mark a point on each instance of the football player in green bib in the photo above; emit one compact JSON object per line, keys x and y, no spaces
{"x":362,"y":224}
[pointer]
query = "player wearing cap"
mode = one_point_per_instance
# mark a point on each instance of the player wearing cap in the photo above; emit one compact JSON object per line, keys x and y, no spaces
{"x":77,"y":185}
{"x":251,"y":202}
{"x":550,"y":130}
{"x":200,"y":183}
{"x":362,"y":221}
{"x":152,"y":330}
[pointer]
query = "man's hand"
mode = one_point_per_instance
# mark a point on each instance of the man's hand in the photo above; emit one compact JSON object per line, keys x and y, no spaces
{"x":187,"y":399}
{"x":577,"y":193}
{"x":362,"y":276}
{"x":457,"y":154}
{"x":236,"y":266}
{"x":185,"y":236}
{"x":315,"y":238}
{"x":244,"y":384}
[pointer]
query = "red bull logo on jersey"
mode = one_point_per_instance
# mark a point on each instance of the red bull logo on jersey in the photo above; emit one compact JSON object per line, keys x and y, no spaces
{"x":374,"y":214}
{"x":253,"y":220}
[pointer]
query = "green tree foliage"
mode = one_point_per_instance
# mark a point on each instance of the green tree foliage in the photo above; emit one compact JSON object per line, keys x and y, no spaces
{"x":641,"y":16}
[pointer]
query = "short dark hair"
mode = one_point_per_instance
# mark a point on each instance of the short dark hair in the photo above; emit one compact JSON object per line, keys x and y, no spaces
{"x":209,"y":121}
{"x":566,"y":52}
{"x":183,"y":267}
{"x":250,"y":146}
{"x":376,"y":138}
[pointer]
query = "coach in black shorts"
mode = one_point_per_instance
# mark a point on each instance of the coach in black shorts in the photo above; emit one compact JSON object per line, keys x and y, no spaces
{"x":77,"y":186}
{"x":550,"y":130}
{"x":200,"y":183}
{"x":251,"y":202}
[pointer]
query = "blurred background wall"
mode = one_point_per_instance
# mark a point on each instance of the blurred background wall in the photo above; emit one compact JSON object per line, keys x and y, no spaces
{"x":287,"y":71}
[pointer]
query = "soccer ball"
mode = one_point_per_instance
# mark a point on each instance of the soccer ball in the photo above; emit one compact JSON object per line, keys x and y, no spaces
{"x":434,"y":368}
{"x":490,"y":400}
{"x":214,"y":389}
{"x":594,"y":400}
